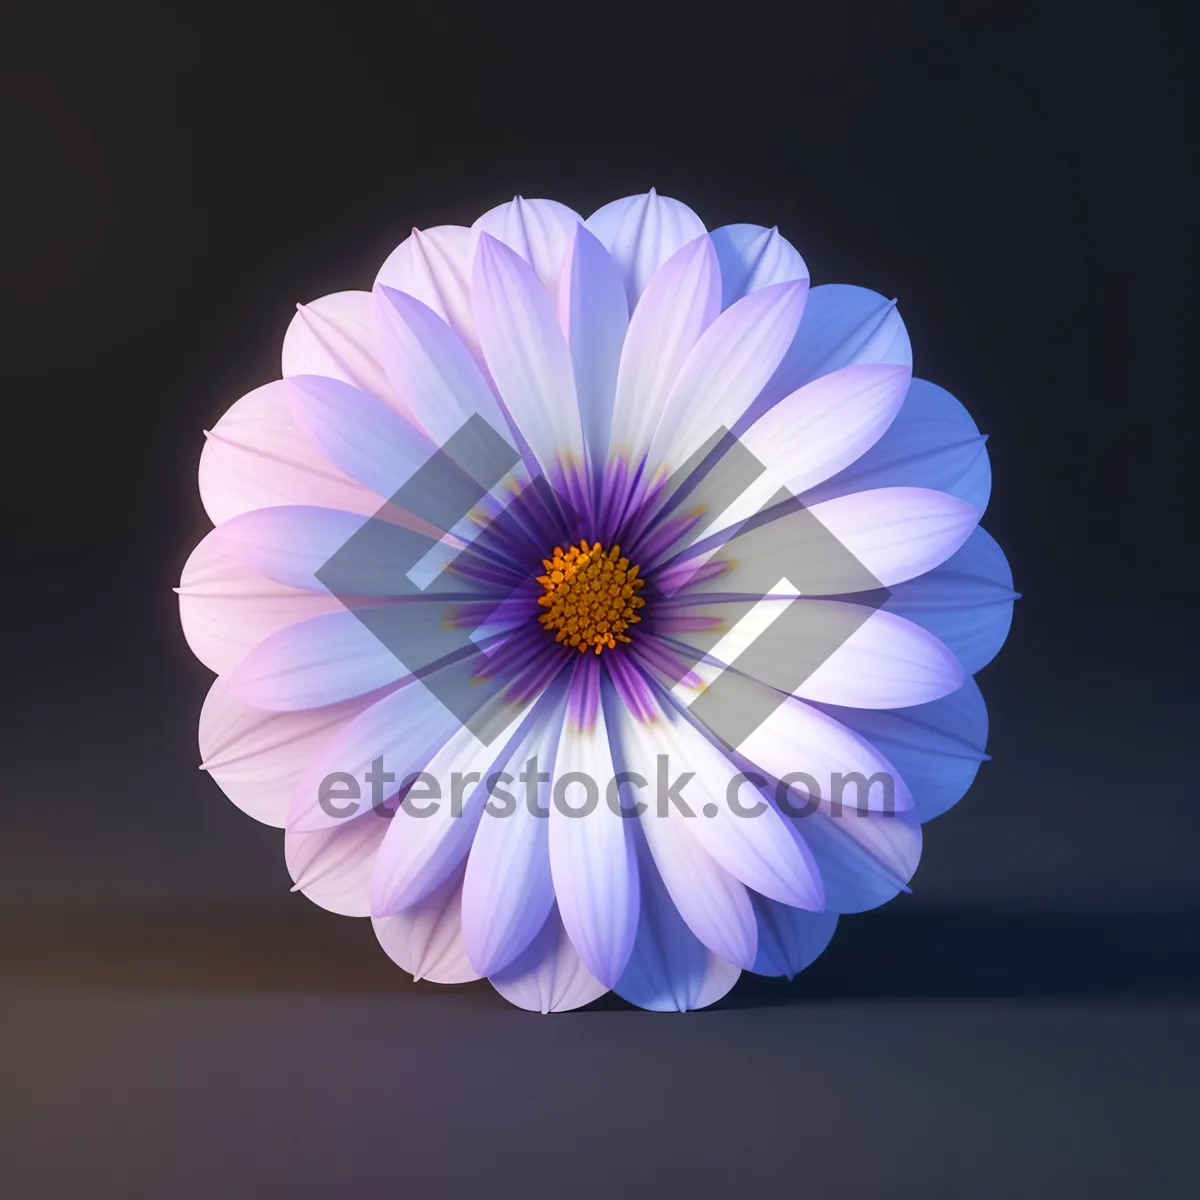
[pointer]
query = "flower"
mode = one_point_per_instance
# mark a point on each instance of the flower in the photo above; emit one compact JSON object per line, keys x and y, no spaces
{"x":624,"y":586}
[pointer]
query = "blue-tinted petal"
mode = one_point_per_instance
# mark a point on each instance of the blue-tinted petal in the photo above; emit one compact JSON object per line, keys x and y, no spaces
{"x":936,"y":748}
{"x":932,"y":443}
{"x":789,"y":939}
{"x":967,"y":602}
{"x":751,"y":258}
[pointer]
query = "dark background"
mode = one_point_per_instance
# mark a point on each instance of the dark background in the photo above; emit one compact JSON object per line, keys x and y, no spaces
{"x":1022,"y":177}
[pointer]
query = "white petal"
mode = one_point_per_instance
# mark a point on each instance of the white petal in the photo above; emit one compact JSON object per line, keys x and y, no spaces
{"x":548,"y":975}
{"x":592,"y":859}
{"x":898,"y":533}
{"x":540,"y":231}
{"x":680,"y":302}
{"x":641,"y":233}
{"x":796,"y":737}
{"x":508,"y":891}
{"x":429,"y":839}
{"x":434,"y":267}
{"x":670,"y":970}
{"x":726,"y":369}
{"x":594,"y":317}
{"x":757,"y":851}
{"x":713,"y":904}
{"x":865,"y":658}
{"x":527,"y":355}
{"x":827,"y":424}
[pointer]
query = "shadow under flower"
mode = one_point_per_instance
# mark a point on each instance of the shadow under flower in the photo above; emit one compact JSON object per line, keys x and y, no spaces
{"x":897,"y":954}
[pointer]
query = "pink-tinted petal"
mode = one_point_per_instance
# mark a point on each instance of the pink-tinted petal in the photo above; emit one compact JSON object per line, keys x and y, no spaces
{"x":641,"y":233}
{"x":431,"y":368}
{"x":324,"y":549}
{"x":362,"y":436}
{"x":426,"y":939}
{"x":257,"y":758}
{"x":333,"y":866}
{"x":257,"y":456}
{"x":548,"y":976}
{"x":226,"y":609}
{"x":321,"y":661}
{"x":402,"y":732}
{"x":335,"y":336}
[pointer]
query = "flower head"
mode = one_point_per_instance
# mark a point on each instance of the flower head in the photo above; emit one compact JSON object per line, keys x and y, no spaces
{"x":594,"y":605}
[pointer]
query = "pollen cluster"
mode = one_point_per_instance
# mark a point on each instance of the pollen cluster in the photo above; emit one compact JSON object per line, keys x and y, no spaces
{"x":591,"y":596}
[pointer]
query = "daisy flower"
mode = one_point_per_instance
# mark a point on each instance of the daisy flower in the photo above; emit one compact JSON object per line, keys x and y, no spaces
{"x":566,"y":580}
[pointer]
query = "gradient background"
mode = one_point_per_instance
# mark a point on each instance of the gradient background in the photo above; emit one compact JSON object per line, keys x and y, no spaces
{"x":174,"y":1024}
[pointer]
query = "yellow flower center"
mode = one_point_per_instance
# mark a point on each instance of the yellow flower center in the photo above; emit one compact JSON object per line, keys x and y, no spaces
{"x":591,"y":596}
